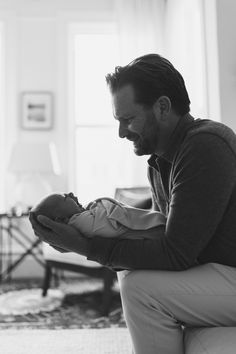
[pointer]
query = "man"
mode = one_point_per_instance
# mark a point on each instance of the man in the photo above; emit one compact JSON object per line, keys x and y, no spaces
{"x":185,"y":277}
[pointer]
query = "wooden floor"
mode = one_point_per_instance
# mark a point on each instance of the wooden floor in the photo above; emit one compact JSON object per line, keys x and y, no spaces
{"x":73,"y":341}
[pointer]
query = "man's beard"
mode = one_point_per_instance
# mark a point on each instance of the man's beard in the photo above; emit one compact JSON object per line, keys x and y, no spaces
{"x":146,"y":143}
{"x":144,"y":146}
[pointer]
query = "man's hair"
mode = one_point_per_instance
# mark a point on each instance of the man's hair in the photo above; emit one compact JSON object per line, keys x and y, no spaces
{"x":152,"y":76}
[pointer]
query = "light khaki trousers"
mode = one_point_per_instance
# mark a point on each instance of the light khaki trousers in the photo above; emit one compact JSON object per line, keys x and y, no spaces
{"x":158,"y":305}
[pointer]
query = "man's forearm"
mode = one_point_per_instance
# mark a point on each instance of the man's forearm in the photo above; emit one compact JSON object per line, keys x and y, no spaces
{"x":127,"y":253}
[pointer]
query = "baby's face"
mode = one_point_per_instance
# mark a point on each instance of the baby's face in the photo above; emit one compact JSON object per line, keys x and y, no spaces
{"x":69,"y":204}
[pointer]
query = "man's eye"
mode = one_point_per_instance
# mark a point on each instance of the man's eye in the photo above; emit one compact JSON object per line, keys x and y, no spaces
{"x":129,"y":121}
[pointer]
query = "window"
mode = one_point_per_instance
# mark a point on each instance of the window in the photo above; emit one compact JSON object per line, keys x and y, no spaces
{"x":99,"y":155}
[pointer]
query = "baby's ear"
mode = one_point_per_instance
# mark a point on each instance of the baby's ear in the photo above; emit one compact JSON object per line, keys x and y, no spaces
{"x":62,"y":219}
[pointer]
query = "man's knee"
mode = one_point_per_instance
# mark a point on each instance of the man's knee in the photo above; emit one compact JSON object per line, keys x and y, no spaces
{"x":145,"y":284}
{"x":130,"y":284}
{"x":135,"y":286}
{"x":141,"y":290}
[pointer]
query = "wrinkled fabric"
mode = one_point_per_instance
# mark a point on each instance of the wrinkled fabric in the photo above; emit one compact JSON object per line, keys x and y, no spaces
{"x":107,"y":217}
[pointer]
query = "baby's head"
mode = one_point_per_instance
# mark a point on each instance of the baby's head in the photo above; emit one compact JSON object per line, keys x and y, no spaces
{"x":59,"y":207}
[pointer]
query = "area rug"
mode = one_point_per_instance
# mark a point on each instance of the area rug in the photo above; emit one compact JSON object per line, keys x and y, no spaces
{"x":71,"y":304}
{"x":29,"y":301}
{"x":73,"y":341}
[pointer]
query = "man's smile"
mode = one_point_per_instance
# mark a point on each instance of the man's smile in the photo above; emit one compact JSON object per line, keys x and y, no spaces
{"x":133,"y":138}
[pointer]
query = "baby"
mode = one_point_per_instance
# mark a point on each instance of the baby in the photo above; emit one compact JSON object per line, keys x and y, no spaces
{"x":104,"y":217}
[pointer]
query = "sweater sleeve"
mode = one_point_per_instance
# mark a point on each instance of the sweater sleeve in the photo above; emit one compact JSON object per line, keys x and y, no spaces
{"x":203,"y":177}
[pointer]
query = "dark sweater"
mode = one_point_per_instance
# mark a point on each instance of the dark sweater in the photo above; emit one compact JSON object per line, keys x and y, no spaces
{"x":194,"y":185}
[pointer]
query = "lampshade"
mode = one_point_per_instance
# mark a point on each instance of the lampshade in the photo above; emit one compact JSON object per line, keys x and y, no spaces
{"x":32,"y":164}
{"x":30,"y":157}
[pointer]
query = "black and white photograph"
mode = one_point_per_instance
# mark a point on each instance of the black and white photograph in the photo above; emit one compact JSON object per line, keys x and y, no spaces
{"x":36,"y":110}
{"x":117,"y":177}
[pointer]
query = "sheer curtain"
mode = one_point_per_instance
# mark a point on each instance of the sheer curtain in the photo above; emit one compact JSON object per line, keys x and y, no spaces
{"x":174,"y":29}
{"x":141,"y":31}
{"x":185,"y":47}
{"x":140,"y":25}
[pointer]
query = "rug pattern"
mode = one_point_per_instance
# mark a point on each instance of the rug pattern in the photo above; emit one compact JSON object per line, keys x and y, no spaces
{"x":79,"y":307}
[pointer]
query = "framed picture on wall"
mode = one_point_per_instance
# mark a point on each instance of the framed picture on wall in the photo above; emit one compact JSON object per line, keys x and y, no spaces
{"x":36,"y":110}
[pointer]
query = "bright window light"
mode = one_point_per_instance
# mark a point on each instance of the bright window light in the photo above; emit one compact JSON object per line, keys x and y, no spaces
{"x":102,"y":160}
{"x":96,"y":55}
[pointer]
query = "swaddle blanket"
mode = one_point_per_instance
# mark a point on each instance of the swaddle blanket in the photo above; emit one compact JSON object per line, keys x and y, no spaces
{"x":109,"y":218}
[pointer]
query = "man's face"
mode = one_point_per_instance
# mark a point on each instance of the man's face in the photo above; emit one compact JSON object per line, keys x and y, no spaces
{"x":136,"y":123}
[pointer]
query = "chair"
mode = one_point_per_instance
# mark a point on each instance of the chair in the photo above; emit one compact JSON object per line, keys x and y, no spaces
{"x":139,"y":197}
{"x":76,"y":263}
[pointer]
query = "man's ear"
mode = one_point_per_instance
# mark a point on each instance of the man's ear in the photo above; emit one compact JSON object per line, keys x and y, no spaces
{"x":162,"y":106}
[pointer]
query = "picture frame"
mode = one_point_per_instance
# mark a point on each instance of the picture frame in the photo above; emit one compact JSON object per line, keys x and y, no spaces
{"x":36,"y":110}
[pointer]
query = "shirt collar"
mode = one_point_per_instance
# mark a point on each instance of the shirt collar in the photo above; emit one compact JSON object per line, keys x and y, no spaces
{"x":175,"y":140}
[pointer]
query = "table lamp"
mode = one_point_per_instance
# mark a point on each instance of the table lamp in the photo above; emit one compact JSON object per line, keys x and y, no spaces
{"x":33,"y":164}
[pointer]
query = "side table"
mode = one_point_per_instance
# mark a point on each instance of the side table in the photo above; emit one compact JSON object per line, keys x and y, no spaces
{"x":12,"y":233}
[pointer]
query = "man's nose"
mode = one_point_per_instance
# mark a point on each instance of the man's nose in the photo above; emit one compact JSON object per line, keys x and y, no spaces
{"x":122,"y":130}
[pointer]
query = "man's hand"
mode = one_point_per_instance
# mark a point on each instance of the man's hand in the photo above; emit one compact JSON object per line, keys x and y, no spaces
{"x":62,"y":237}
